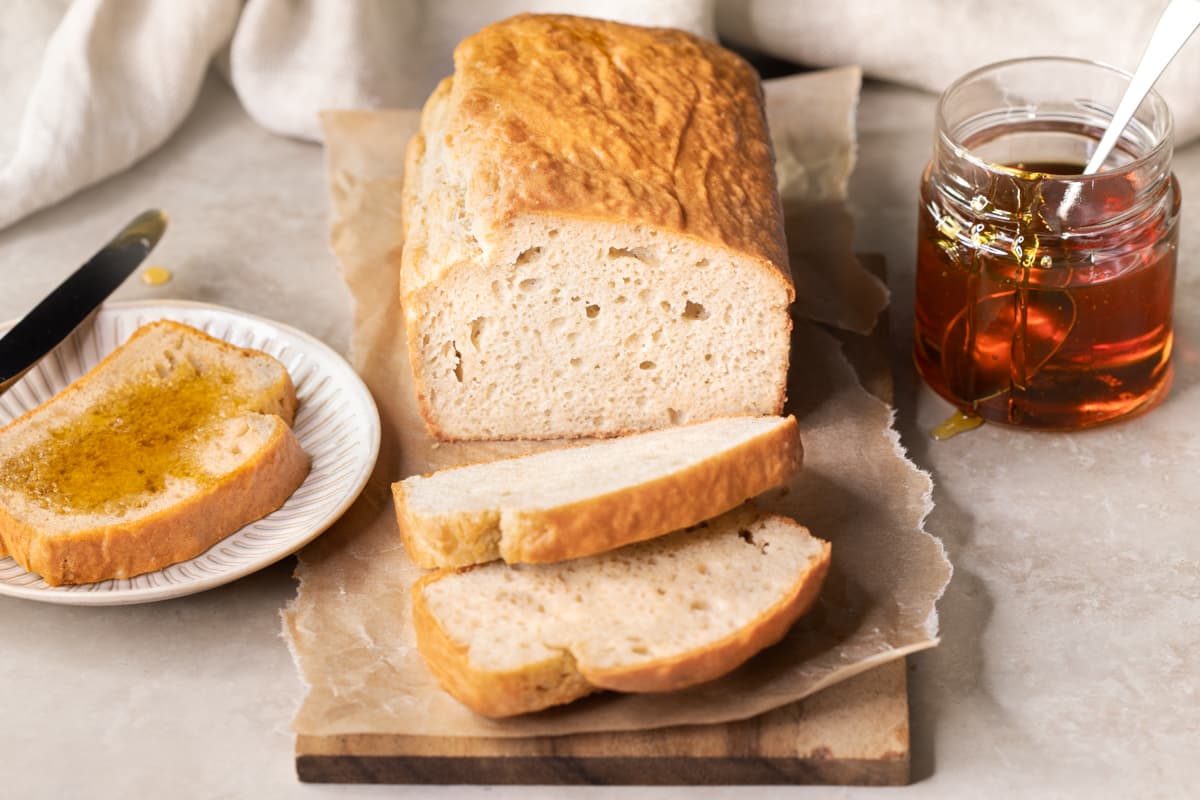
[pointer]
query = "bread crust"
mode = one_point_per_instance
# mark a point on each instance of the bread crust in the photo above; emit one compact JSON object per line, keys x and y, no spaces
{"x":678,"y":500}
{"x":600,"y":523}
{"x":550,"y":682}
{"x":562,"y":679}
{"x":177,"y":533}
{"x":426,"y":544}
{"x":578,"y":118}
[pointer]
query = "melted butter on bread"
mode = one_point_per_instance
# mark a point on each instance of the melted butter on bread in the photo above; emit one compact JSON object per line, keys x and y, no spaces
{"x":128,"y":445}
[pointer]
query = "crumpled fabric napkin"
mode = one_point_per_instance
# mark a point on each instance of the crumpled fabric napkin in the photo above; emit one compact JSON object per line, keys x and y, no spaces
{"x":89,"y":87}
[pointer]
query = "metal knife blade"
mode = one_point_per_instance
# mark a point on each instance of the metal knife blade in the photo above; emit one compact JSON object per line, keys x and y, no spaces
{"x":61,"y":312}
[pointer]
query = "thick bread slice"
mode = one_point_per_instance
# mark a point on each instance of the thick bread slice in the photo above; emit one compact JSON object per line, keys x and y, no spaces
{"x":593,"y":238}
{"x":652,"y":617}
{"x":171,"y":443}
{"x":577,"y":501}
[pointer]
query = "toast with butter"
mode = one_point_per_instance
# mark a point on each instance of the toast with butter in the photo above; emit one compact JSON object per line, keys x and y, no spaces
{"x":655,"y":616}
{"x":171,"y":443}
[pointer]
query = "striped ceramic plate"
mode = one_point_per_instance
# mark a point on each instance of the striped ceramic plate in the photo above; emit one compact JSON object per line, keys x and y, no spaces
{"x":336,"y":422}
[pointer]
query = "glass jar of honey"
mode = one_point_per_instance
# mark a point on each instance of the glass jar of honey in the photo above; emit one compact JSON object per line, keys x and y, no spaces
{"x":1043,"y":296}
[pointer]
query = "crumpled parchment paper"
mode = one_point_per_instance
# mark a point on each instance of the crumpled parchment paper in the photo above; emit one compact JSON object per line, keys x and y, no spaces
{"x":349,"y":627}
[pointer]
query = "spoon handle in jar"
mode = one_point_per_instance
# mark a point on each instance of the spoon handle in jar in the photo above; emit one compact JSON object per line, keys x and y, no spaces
{"x":1178,"y":22}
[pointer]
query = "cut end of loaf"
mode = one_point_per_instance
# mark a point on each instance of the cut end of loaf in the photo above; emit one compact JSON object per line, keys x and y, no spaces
{"x":597,"y":333}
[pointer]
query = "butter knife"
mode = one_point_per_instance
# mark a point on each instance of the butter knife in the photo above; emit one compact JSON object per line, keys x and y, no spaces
{"x":62,"y":311}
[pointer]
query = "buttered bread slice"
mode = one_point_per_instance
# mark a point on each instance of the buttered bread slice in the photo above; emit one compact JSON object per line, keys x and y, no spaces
{"x":171,"y":443}
{"x":577,"y":501}
{"x":652,"y":617}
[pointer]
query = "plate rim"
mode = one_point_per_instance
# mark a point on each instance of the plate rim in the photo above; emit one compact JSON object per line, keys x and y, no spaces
{"x":170,"y":591}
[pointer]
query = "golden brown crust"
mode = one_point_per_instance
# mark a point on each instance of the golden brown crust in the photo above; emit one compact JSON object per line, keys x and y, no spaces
{"x":409,"y":536}
{"x":678,"y":500}
{"x":175,"y":534}
{"x":551,"y":682}
{"x":578,"y":118}
{"x":604,"y":522}
{"x":728,"y":654}
{"x":467,"y":539}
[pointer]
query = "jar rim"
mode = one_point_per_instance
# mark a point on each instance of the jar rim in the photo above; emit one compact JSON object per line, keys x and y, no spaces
{"x":962,"y":150}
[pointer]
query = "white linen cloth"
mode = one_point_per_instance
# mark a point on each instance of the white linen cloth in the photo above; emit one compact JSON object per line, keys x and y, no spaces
{"x":89,"y":87}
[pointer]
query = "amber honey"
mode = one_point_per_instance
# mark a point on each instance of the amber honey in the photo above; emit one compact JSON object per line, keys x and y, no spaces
{"x":1044,"y":297}
{"x":124,"y":448}
{"x":156,"y":276}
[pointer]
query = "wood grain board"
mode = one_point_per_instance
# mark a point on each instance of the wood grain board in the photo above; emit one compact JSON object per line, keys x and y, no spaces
{"x":855,"y":732}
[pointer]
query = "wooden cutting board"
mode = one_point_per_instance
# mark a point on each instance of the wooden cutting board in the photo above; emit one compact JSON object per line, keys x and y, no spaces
{"x":853,"y":733}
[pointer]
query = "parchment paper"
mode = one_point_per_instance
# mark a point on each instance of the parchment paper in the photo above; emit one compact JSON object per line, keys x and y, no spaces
{"x":349,"y":627}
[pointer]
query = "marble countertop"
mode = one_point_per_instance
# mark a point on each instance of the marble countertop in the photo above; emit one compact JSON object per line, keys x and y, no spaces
{"x":1070,"y":662}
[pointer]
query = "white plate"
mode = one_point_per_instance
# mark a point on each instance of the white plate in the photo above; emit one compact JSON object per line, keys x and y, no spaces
{"x":336,"y":422}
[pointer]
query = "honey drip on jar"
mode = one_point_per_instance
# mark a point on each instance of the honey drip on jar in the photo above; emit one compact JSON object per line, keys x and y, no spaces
{"x":956,"y":423}
{"x":1031,"y":316}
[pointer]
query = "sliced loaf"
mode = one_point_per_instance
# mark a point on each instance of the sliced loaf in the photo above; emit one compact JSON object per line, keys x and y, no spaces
{"x":593,"y":238}
{"x":652,"y":617}
{"x":576,"y":501}
{"x":171,"y":443}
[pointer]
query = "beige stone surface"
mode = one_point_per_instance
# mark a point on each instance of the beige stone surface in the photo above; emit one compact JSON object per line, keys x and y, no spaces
{"x":1070,"y":663}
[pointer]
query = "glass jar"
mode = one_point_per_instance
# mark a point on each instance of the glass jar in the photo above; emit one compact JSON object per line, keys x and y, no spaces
{"x":1043,"y":297}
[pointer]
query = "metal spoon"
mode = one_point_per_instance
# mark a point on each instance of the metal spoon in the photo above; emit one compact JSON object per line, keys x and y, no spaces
{"x":1178,"y":22}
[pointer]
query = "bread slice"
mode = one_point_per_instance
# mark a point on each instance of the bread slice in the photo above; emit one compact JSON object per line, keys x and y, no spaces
{"x":171,"y":443}
{"x":593,"y":237}
{"x":576,"y":501}
{"x":652,"y":617}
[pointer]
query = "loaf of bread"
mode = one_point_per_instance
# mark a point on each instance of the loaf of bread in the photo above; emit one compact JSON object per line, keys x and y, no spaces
{"x":593,"y":236}
{"x":577,"y":501}
{"x":652,"y":617}
{"x":171,"y":443}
